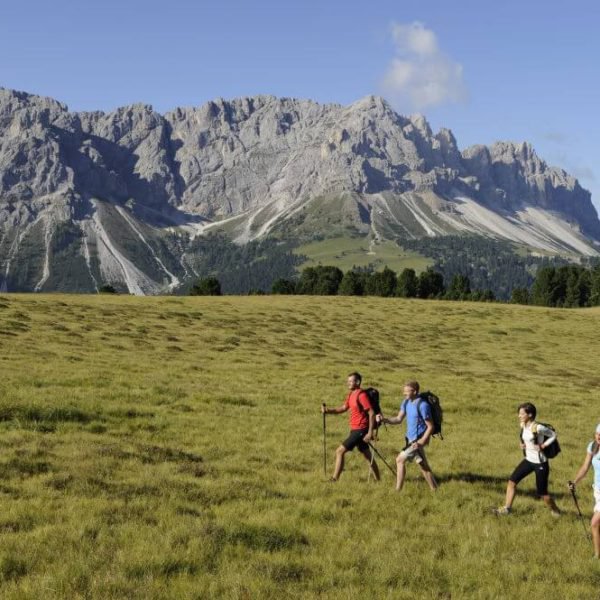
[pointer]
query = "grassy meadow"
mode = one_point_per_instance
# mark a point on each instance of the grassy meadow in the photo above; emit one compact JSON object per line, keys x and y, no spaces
{"x":172,"y":448}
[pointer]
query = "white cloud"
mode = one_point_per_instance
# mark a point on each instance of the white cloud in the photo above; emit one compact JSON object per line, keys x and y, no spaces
{"x":414,"y":39}
{"x":421,"y":76}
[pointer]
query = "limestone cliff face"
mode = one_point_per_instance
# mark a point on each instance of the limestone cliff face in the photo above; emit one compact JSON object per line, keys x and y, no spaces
{"x":509,"y":176}
{"x":108,"y":184}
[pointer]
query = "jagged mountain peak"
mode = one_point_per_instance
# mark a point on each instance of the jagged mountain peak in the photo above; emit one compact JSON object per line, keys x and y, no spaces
{"x":15,"y":100}
{"x":371,"y":103}
{"x":248,"y":165}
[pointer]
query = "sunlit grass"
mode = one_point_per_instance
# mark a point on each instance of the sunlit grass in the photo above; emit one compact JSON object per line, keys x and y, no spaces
{"x":172,"y":448}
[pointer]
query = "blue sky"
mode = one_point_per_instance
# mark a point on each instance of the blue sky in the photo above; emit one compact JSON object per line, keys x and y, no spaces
{"x":516,"y":70}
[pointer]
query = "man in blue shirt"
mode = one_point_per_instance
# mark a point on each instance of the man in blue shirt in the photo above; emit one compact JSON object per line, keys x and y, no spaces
{"x":419,"y":427}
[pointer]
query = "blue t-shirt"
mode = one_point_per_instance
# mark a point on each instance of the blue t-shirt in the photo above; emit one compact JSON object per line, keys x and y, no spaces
{"x":595,"y":464}
{"x":417,"y":411}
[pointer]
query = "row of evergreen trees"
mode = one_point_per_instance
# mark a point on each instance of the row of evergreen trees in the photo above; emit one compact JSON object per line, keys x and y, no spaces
{"x":331,"y":281}
{"x":569,"y":286}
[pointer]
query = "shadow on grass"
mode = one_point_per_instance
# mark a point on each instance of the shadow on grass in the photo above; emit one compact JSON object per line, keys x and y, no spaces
{"x":22,"y":467}
{"x":523,"y":488}
{"x":45,"y":419}
{"x":467,"y":477}
{"x":12,"y":568}
{"x":265,"y":538}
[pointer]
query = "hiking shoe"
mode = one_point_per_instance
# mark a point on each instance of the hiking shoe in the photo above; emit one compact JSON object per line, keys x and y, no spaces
{"x":555,"y":513}
{"x":502,"y":511}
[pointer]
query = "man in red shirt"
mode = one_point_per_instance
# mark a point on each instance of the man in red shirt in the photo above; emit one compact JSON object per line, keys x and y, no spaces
{"x":362,"y":425}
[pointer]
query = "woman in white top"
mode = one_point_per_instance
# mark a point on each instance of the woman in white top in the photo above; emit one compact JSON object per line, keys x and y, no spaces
{"x":592,"y":458}
{"x":535,"y":437}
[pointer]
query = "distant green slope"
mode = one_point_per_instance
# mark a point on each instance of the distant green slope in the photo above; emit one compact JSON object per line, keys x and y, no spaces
{"x":348,"y":252}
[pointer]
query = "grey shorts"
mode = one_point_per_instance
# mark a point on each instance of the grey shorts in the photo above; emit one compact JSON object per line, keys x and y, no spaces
{"x":417,"y":455}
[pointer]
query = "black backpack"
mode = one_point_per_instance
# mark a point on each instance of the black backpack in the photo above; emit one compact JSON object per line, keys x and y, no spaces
{"x":550,"y":451}
{"x":437,"y":414}
{"x":373,"y":395}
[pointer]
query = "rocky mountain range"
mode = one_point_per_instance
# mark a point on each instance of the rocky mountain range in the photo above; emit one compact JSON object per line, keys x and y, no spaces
{"x":123,"y":198}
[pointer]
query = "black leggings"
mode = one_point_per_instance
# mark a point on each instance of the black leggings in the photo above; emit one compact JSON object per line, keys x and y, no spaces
{"x":542,"y":473}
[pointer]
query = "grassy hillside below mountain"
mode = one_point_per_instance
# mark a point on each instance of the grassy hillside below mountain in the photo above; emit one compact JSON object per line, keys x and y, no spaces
{"x":489,"y":264}
{"x":346,"y":253}
{"x":172,"y":448}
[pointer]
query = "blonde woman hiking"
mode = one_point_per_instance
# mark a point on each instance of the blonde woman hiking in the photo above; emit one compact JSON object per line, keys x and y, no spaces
{"x":592,"y":459}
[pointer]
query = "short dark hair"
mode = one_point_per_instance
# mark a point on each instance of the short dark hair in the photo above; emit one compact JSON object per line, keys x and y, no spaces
{"x":529,"y":408}
{"x":356,"y":376}
{"x":413,"y":384}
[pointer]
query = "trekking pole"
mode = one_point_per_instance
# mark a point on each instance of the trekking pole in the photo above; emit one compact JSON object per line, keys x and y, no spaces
{"x":324,"y":440}
{"x":582,"y":518}
{"x":381,"y":457}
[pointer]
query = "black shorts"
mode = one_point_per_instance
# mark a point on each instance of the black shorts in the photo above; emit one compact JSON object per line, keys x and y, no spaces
{"x":355,"y":440}
{"x":542,"y":473}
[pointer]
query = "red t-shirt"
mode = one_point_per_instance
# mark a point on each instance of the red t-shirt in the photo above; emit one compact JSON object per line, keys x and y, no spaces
{"x":359,"y":404}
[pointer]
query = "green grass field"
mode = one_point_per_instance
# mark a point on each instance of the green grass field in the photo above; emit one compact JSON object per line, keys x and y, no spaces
{"x":347,"y":252}
{"x":172,"y":448}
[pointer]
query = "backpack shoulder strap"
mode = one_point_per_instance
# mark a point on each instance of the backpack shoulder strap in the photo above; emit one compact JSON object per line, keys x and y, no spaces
{"x":421,"y":400}
{"x":535,"y":431}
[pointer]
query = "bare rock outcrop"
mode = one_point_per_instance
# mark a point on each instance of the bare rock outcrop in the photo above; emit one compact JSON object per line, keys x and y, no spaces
{"x":104,"y":189}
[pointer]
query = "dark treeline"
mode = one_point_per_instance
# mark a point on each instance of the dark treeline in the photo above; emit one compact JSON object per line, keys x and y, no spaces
{"x":239,"y":269}
{"x":330,"y":281}
{"x":568,"y":286}
{"x":465,"y":268}
{"x":489,"y":264}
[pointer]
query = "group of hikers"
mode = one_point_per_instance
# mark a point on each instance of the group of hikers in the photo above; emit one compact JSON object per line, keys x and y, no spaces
{"x":538,"y":443}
